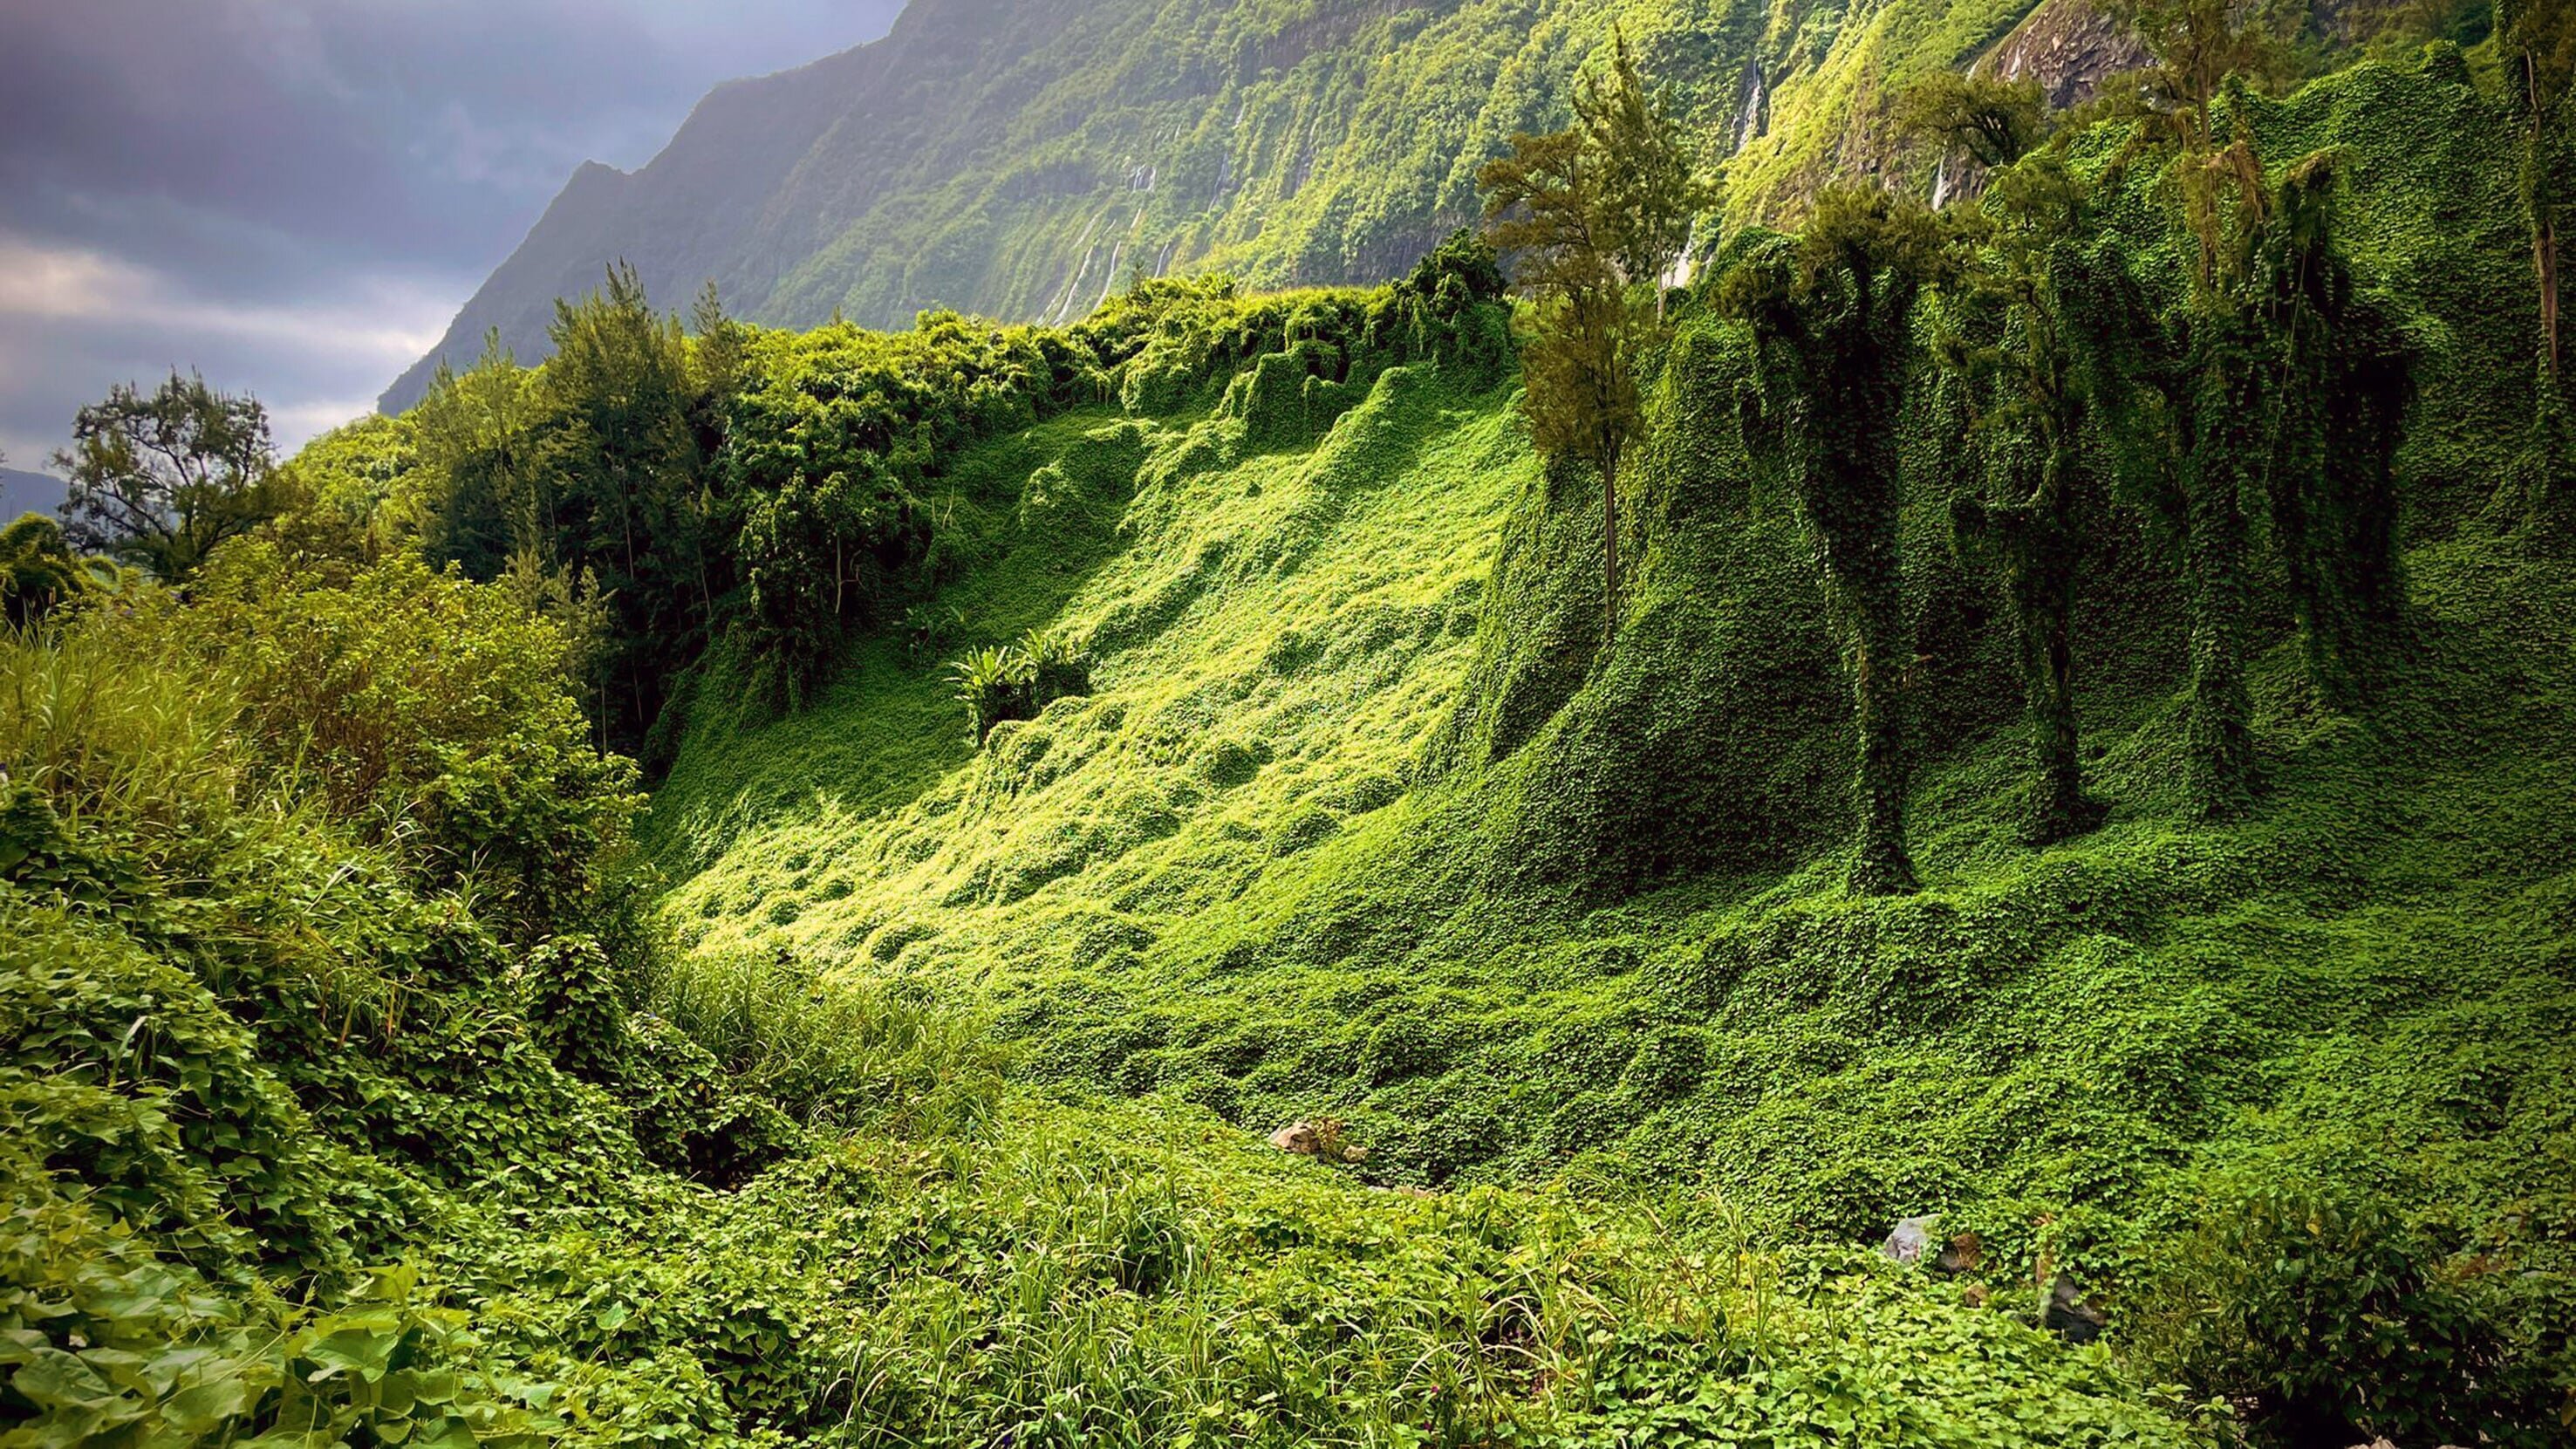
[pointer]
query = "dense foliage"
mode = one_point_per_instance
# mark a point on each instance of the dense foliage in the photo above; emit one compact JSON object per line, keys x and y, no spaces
{"x":1359,"y":816}
{"x":346,"y":1103}
{"x":2081,"y":761}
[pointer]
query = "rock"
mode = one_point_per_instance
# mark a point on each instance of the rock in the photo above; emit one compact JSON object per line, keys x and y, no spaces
{"x":2073,"y":1314}
{"x":1907,"y":1242}
{"x":1911,"y":1241}
{"x":1320,"y":1139}
{"x":1959,"y":1255}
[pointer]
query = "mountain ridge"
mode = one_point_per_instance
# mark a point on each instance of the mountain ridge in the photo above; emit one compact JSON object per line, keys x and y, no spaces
{"x":1023,"y":162}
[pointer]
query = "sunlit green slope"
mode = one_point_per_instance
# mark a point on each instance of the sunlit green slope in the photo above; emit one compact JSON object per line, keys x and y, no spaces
{"x":1355,"y":821}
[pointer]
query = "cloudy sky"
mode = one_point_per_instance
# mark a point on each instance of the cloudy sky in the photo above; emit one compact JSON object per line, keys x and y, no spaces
{"x":294,"y":196}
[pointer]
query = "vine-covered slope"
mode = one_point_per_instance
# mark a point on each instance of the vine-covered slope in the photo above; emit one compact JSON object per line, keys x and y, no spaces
{"x":1094,"y":749}
{"x":1355,"y":819}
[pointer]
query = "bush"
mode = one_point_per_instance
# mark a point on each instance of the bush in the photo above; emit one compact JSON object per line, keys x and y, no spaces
{"x":434,"y":714}
{"x":1015,"y":681}
{"x":2321,"y":1310}
{"x":994,"y":683}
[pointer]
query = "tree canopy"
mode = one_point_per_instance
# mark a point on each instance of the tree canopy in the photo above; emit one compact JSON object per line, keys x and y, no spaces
{"x":159,"y":480}
{"x":1586,"y":217}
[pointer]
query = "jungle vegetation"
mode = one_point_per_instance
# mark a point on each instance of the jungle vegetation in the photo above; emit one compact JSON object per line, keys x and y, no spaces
{"x":756,"y":886}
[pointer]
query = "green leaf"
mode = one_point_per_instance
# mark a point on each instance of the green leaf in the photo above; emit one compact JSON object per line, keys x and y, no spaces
{"x":204,"y":1408}
{"x":360,"y":1351}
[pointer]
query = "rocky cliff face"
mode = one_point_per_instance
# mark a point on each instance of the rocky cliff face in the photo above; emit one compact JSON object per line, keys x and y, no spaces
{"x":2070,"y":46}
{"x":1023,"y":158}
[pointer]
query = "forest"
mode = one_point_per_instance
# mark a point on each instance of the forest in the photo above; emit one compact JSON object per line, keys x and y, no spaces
{"x":1933,"y":815}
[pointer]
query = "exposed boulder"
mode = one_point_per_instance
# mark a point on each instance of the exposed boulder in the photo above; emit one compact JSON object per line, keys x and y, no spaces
{"x":1321,"y":1139}
{"x":2073,"y":1314}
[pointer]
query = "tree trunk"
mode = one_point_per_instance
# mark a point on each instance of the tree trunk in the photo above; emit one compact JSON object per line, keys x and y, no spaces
{"x":2544,"y":221}
{"x":2219,"y":739}
{"x":2059,"y":808}
{"x":1883,"y":866}
{"x":2544,"y":257}
{"x":1609,"y":555}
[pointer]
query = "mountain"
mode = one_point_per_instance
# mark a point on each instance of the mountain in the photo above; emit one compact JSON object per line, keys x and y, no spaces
{"x":25,"y":492}
{"x":1023,"y":160}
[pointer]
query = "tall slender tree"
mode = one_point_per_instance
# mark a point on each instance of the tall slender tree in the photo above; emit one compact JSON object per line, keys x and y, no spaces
{"x":2005,"y":344}
{"x":1590,"y":217}
{"x":1831,"y":316}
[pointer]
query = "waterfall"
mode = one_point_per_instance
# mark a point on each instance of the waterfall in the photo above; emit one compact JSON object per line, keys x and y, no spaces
{"x":1748,"y":118}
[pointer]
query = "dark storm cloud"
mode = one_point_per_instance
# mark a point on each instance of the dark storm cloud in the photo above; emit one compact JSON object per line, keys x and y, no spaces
{"x":290,"y":193}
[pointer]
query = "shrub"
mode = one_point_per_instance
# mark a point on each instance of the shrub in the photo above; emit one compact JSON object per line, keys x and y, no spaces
{"x":1015,"y":681}
{"x":1057,"y":667}
{"x":38,"y":570}
{"x":994,"y":683}
{"x":434,"y":714}
{"x":2336,"y":1323}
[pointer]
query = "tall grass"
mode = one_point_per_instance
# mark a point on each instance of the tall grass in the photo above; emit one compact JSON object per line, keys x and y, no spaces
{"x":842,"y":1051}
{"x":1121,"y":1276}
{"x":104,"y":727}
{"x":147,"y":763}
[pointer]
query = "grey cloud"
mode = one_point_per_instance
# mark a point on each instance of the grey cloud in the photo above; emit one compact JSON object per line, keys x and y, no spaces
{"x":317,"y":157}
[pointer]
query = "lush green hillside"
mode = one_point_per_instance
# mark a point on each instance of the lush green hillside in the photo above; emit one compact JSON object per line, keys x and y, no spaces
{"x":1076,"y":753}
{"x":1354,"y":821}
{"x":347,"y":1103}
{"x":1026,"y":161}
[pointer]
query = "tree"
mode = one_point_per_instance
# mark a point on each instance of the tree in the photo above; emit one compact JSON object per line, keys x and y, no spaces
{"x":2006,"y":344}
{"x":38,"y":571}
{"x":492,"y":492}
{"x":617,"y":398}
{"x":159,"y":481}
{"x":2190,"y":396}
{"x":2347,"y":380}
{"x":1649,"y":186}
{"x":1588,"y":215}
{"x":2199,"y":49}
{"x":1831,"y":319}
{"x":2178,"y":395}
{"x":2537,"y":39}
{"x":1992,"y":123}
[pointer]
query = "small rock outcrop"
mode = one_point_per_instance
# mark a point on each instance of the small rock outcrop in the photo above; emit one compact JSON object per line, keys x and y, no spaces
{"x":1321,"y":1139}
{"x":2074,"y":1314}
{"x":1912,"y":1239}
{"x":2069,"y":47}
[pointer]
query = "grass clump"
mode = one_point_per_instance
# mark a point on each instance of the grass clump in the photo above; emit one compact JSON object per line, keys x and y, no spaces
{"x":851,"y":1054}
{"x":1016,"y":681}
